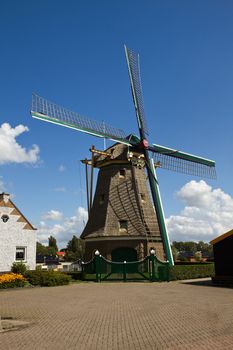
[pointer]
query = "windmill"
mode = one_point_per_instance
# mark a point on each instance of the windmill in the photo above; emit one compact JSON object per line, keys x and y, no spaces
{"x":137,"y":148}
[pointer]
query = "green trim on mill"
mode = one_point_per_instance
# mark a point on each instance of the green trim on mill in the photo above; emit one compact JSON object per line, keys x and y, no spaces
{"x":182,"y":155}
{"x":160,"y":216}
{"x":72,"y":126}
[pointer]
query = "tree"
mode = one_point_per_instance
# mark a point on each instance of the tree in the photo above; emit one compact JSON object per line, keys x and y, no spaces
{"x":193,"y":247}
{"x":185,"y":246}
{"x":41,"y":249}
{"x":180,"y":246}
{"x":205,"y":248}
{"x":53,"y":245}
{"x":45,"y":250}
{"x":74,"y":249}
{"x":175,"y":252}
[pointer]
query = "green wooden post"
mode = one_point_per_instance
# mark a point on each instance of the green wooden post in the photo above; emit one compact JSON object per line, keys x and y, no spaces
{"x":97,"y":266}
{"x":149,"y":265}
{"x":152,"y":259}
{"x":124,"y":271}
{"x":168,"y":272}
{"x":82,"y":267}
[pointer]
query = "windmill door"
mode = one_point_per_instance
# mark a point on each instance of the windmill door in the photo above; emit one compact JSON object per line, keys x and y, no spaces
{"x":121,"y":255}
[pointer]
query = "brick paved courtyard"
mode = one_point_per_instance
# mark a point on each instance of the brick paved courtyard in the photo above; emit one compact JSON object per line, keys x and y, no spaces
{"x":122,"y":316}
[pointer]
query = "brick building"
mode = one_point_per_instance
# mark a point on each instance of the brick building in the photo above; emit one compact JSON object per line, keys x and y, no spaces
{"x":122,"y":223}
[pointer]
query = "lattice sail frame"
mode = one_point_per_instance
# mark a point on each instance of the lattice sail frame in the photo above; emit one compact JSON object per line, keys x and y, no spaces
{"x":48,"y":111}
{"x":136,"y":87}
{"x":184,"y":166}
{"x":164,"y":157}
{"x":181,"y":162}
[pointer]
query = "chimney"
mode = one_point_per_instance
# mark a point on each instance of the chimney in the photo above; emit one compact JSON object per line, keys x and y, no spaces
{"x":5,"y":197}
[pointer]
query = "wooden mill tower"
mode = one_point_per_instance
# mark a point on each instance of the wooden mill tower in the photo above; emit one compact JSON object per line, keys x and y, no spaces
{"x":122,"y":223}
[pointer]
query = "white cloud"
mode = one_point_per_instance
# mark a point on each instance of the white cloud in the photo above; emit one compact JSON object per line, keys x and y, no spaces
{"x":11,"y":151}
{"x":207,"y":213}
{"x":65,"y":230}
{"x":62,"y":168}
{"x":54,"y":215}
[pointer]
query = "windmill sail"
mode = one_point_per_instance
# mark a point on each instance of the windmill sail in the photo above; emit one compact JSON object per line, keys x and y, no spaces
{"x":48,"y":111}
{"x":182,"y":162}
{"x":135,"y":81}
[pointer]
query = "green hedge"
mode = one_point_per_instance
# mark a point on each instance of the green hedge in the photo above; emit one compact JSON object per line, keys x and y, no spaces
{"x":77,"y":276}
{"x":47,"y":278}
{"x":182,"y":272}
{"x":193,"y":262}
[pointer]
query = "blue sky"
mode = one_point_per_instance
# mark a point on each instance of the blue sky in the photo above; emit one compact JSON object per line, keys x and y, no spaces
{"x":71,"y":52}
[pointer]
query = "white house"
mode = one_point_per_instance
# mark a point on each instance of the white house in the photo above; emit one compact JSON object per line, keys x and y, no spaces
{"x":17,"y":236}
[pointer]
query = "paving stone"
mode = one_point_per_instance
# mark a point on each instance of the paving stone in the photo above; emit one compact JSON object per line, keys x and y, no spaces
{"x":120,"y":316}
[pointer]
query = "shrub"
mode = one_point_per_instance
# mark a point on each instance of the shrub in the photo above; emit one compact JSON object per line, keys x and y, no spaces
{"x":12,"y":280}
{"x":47,"y":278}
{"x":182,"y":272}
{"x":189,"y":263}
{"x":19,"y":267}
{"x":183,"y":258}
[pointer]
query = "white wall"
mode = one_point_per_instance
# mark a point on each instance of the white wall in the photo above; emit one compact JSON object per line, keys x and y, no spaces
{"x":13,"y":235}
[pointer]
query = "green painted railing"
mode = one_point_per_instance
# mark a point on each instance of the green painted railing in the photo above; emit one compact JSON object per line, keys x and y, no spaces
{"x":100,"y":269}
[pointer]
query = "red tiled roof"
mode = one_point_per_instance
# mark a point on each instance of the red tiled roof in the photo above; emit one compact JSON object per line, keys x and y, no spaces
{"x":61,"y":253}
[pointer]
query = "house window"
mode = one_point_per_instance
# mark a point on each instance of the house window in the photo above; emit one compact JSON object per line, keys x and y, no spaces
{"x":5,"y":218}
{"x":122,"y":173}
{"x":101,"y":201}
{"x":20,"y":254}
{"x":123,"y":225}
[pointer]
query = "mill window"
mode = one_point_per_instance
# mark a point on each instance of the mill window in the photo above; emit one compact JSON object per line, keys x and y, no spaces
{"x":123,"y":225}
{"x":122,"y":173}
{"x":143,"y":197}
{"x":102,"y":197}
